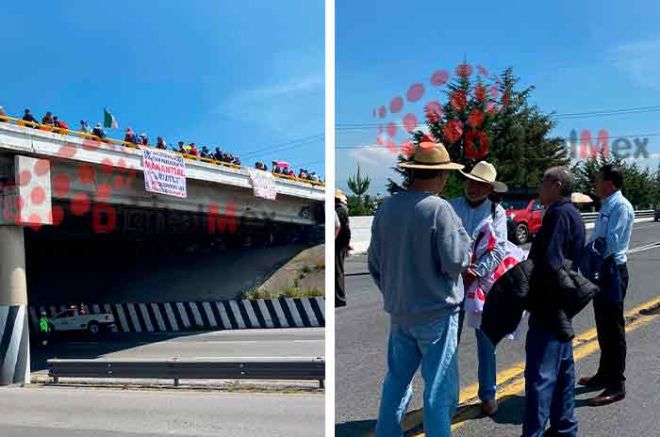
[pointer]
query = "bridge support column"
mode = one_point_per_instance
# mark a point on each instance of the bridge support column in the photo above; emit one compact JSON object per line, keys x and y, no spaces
{"x":14,"y":334}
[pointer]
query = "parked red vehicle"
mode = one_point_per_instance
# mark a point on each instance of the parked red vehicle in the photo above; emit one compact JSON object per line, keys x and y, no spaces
{"x":524,"y":218}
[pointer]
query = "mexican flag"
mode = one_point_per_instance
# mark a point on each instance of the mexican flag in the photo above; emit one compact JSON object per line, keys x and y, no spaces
{"x":109,"y":120}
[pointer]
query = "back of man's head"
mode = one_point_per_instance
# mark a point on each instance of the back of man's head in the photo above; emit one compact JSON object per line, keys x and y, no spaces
{"x":562,"y":175}
{"x":612,"y":174}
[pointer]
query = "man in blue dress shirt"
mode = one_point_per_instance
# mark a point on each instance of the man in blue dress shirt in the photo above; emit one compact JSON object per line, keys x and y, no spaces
{"x":614,"y":224}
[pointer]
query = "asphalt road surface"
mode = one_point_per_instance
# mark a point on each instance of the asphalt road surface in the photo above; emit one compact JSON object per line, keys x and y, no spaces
{"x":299,"y":342}
{"x":65,"y":412}
{"x":362,"y":328}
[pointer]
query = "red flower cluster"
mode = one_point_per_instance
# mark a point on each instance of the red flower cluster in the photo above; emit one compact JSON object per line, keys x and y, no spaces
{"x":433,"y":112}
{"x":458,"y":100}
{"x":471,"y":137}
{"x":476,"y":118}
{"x":452,"y":131}
{"x":463,"y":70}
{"x":480,"y":93}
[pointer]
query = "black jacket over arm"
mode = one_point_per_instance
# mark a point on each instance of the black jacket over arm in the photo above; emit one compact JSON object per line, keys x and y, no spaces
{"x":547,"y":284}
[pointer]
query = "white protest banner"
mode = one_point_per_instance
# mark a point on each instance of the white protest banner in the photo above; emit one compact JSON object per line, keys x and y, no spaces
{"x":164,"y":172}
{"x":263,"y":184}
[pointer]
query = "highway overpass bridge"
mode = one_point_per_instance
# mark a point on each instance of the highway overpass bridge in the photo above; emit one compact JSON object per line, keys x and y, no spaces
{"x":66,"y":197}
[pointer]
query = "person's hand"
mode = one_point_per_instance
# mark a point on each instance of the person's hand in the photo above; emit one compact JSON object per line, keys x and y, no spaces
{"x":469,"y":276}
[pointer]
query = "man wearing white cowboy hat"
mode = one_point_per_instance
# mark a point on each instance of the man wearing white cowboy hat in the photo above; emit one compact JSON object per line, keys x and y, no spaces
{"x":475,"y":209}
{"x":417,"y":252}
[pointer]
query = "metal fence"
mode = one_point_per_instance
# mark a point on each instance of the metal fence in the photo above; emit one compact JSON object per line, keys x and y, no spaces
{"x":294,"y":369}
{"x":590,"y":217}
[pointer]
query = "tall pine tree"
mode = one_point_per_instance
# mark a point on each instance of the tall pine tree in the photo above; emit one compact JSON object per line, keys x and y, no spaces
{"x":494,"y":121}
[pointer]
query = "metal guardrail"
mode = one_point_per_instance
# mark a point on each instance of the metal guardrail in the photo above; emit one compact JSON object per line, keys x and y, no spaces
{"x":589,"y":217}
{"x":306,"y":369}
{"x":85,"y":135}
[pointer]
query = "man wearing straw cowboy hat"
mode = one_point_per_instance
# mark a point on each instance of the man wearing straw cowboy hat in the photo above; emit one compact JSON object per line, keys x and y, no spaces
{"x":417,"y":252}
{"x":342,"y":246}
{"x":474,"y":210}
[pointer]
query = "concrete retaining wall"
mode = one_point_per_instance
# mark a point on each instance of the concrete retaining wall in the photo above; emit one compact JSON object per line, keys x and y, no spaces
{"x":203,"y":316}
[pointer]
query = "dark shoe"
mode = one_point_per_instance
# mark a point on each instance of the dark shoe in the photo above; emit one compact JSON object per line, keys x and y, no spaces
{"x":489,"y":408}
{"x":592,"y":381}
{"x":609,"y":396}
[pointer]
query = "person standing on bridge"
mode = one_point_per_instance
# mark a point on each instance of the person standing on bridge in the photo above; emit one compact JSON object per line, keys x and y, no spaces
{"x":475,"y":211}
{"x":614,"y":224}
{"x":27,"y":116}
{"x":48,"y":119}
{"x":160,"y":143}
{"x":60,"y":124}
{"x":549,"y":367}
{"x":342,"y":246}
{"x":84,"y":127}
{"x":98,"y":131}
{"x":417,"y":252}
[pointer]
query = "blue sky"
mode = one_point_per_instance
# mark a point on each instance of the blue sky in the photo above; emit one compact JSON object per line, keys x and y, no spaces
{"x":581,"y":56}
{"x":247,"y":76}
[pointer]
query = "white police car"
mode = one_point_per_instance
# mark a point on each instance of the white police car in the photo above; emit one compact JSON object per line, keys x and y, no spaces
{"x":73,"y":320}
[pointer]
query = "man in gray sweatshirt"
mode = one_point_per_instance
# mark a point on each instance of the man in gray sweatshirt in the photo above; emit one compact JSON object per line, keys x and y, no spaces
{"x":417,"y":253}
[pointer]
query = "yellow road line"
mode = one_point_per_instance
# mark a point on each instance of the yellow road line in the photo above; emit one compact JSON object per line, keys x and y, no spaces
{"x":511,"y":379}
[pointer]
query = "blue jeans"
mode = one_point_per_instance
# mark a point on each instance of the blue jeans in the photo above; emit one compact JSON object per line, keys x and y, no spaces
{"x":433,"y":345}
{"x":487,"y":370}
{"x":487,"y":365}
{"x":549,"y":385}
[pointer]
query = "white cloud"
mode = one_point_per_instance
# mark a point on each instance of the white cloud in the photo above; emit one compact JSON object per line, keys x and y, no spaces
{"x":276,"y":90}
{"x":374,"y":155}
{"x":640,"y":60}
{"x":293,"y":105}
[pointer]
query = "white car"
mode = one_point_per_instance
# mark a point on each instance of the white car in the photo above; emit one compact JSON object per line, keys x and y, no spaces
{"x":72,"y":320}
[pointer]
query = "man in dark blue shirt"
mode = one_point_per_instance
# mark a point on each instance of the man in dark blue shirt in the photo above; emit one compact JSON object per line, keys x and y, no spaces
{"x":549,"y":369}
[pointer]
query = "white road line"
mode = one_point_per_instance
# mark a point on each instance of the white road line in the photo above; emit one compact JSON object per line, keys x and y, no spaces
{"x":644,"y":248}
